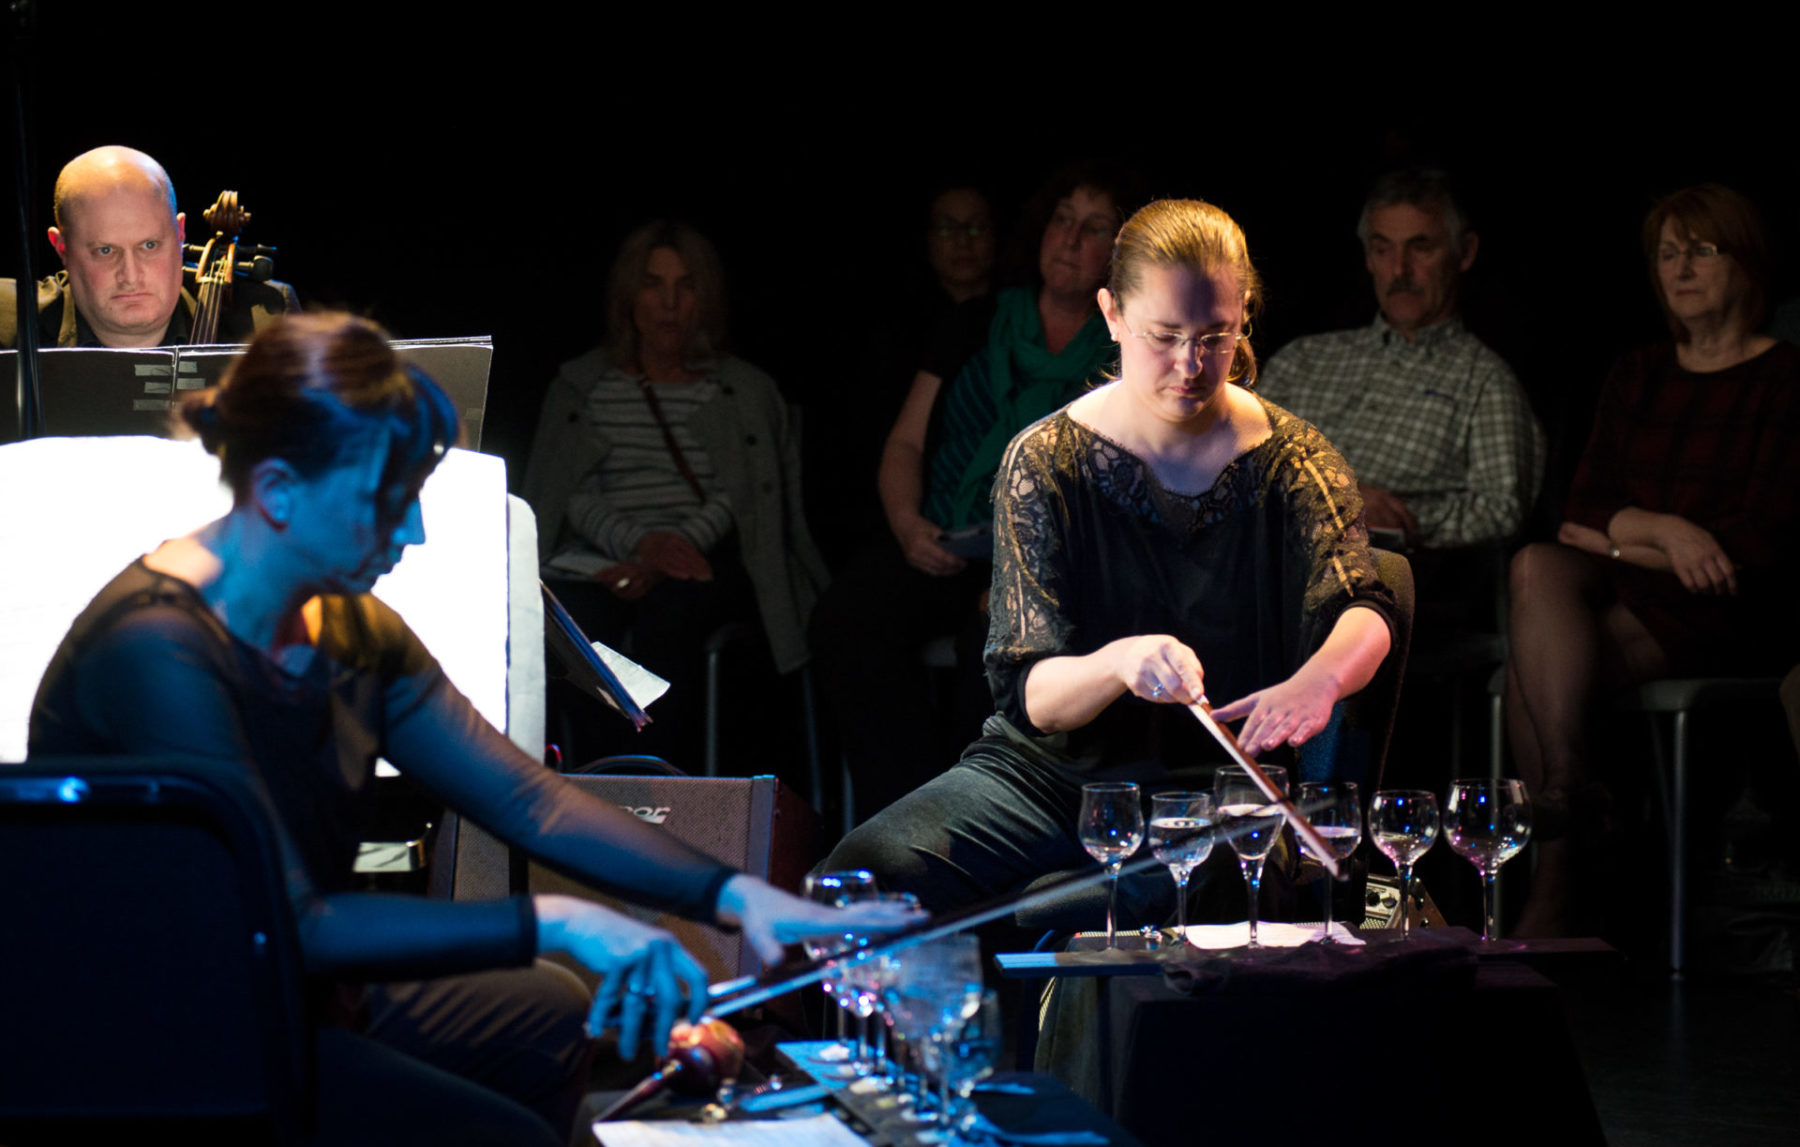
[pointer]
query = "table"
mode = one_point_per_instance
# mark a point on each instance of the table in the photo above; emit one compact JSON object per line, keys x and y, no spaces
{"x":1483,"y":1056}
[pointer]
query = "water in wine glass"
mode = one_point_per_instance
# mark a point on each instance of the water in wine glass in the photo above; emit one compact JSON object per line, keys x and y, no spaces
{"x":1111,"y":828}
{"x":1255,"y":827}
{"x":1404,"y":825}
{"x":1488,"y":822}
{"x":1181,"y":841}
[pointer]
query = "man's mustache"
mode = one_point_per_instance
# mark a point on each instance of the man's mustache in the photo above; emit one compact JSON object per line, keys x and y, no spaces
{"x":1403,"y":287}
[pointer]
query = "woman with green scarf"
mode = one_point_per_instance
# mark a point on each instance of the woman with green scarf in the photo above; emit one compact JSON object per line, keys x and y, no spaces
{"x":1045,"y":345}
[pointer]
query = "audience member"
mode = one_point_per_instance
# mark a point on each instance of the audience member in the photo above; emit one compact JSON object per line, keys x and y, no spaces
{"x":1680,"y":524}
{"x":1163,"y":537}
{"x":666,"y":480}
{"x":941,"y":310}
{"x":1443,"y":440}
{"x":1045,"y":344}
{"x":119,"y":234}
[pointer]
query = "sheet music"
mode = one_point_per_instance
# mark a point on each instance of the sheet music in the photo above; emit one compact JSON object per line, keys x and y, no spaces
{"x":78,"y":510}
{"x":814,"y":1131}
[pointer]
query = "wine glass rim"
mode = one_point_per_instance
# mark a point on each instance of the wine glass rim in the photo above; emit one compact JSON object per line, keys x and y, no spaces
{"x":1486,"y":781}
{"x":1405,"y":793}
{"x":1110,"y":787}
{"x":1181,"y":795}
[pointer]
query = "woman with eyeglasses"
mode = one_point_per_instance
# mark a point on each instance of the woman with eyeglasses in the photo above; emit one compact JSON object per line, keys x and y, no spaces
{"x":1682,"y":515}
{"x":1165,"y":537}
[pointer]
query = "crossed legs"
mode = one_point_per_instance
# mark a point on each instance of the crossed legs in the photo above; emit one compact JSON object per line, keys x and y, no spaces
{"x":1572,"y":643}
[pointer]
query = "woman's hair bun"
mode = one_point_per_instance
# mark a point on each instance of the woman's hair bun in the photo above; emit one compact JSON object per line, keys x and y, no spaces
{"x":201,"y":412}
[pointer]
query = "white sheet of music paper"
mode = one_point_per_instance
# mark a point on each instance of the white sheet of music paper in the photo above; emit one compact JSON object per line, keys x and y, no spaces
{"x":1269,"y":934}
{"x":814,"y":1131}
{"x":78,"y":510}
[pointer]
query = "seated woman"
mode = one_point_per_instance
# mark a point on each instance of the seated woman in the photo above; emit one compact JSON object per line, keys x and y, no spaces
{"x":1045,"y":345}
{"x":1682,"y":516}
{"x":1166,"y":535}
{"x":666,"y":482}
{"x":255,"y":640}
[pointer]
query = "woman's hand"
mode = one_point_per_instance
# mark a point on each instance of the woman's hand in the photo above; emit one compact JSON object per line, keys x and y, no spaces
{"x":1158,"y":668}
{"x":1695,"y":556}
{"x":675,"y":556}
{"x":918,"y":538}
{"x":1289,"y":713}
{"x":1294,"y":711}
{"x":628,"y":581}
{"x":772,"y":919}
{"x":641,"y":968}
{"x":1584,"y":538}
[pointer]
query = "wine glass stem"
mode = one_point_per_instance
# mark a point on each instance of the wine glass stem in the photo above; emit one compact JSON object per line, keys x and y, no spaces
{"x":1405,"y":901}
{"x":1490,"y":894}
{"x":1330,"y":887}
{"x":1112,"y":901}
{"x":1181,"y":879}
{"x":1253,"y":874}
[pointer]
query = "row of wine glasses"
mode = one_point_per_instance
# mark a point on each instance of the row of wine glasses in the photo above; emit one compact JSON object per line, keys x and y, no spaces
{"x":926,"y":1004}
{"x":1488,"y":822}
{"x":1111,"y":826}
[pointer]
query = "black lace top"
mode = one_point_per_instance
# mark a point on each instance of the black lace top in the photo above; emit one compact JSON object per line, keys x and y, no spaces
{"x":1252,"y":574}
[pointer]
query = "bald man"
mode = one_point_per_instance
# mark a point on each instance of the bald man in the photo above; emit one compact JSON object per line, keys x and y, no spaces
{"x":119,"y":235}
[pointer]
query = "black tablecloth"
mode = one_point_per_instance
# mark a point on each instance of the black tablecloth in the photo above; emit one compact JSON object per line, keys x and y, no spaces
{"x":1467,"y":1053}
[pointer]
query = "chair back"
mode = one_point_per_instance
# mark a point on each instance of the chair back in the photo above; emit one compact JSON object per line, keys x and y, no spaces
{"x":149,"y":963}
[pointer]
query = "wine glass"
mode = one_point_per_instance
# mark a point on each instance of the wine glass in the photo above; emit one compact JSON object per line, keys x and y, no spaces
{"x":1181,"y":837}
{"x":837,"y":889}
{"x":1255,"y":823}
{"x":1112,"y":828}
{"x":870,"y":975}
{"x":971,"y":1052}
{"x":1338,"y":817}
{"x":935,"y":989}
{"x":1404,"y":825}
{"x":1488,"y":822}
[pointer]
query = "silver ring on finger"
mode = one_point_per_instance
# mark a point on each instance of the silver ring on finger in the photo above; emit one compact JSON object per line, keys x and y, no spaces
{"x":1157,"y":690}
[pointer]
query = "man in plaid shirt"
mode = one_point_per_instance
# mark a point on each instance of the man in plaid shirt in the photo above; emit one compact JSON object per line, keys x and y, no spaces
{"x":1443,"y":440}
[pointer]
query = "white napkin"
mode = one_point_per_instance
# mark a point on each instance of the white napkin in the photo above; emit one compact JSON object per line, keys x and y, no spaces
{"x":1268,"y":934}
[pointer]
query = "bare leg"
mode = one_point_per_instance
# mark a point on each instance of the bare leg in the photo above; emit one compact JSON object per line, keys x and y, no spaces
{"x":1571,"y":643}
{"x":1557,"y":596}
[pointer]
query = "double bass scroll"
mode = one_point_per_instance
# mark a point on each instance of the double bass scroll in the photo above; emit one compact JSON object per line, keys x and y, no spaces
{"x":220,"y":261}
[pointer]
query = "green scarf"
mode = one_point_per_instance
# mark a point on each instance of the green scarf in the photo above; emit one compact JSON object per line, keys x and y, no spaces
{"x":1027,"y":382}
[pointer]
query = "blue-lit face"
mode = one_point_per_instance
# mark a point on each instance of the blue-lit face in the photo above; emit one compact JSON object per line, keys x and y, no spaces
{"x":340,"y":527}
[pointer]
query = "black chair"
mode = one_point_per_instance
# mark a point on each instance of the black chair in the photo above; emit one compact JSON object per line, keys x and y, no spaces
{"x":149,"y":959}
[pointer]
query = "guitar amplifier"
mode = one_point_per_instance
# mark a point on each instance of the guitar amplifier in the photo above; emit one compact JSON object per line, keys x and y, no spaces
{"x":1382,"y":904}
{"x":754,"y":824}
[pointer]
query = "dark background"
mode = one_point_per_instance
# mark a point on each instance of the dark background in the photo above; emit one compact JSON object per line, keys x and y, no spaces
{"x":480,"y":184}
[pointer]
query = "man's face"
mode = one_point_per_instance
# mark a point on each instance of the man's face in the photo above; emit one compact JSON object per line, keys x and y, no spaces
{"x":122,"y":249}
{"x":1414,"y":265}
